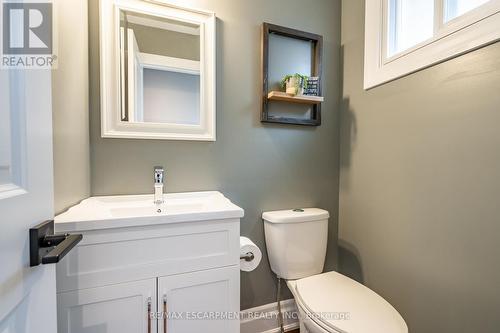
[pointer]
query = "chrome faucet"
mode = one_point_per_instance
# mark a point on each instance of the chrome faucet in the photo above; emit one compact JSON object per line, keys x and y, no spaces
{"x":159,"y":173}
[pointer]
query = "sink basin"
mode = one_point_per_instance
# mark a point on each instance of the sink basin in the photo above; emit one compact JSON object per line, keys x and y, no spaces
{"x":135,"y":210}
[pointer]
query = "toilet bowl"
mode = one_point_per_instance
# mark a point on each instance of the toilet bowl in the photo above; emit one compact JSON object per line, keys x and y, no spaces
{"x":332,"y":302}
{"x":327,"y":302}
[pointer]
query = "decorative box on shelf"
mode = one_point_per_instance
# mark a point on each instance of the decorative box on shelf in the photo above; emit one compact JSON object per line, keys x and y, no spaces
{"x":312,"y":86}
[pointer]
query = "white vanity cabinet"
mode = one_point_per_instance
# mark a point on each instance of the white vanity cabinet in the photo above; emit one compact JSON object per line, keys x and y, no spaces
{"x":116,"y":308}
{"x":129,"y":270}
{"x":206,"y":299}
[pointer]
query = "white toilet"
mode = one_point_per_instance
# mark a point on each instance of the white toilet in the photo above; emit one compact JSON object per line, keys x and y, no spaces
{"x":328,"y":302}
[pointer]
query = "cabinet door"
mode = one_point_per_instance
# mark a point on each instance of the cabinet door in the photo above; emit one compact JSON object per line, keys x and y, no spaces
{"x":123,"y":308}
{"x":205,"y":301}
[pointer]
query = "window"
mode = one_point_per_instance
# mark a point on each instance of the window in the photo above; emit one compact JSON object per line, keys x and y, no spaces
{"x":404,"y":36}
{"x":456,"y":8}
{"x":405,"y":28}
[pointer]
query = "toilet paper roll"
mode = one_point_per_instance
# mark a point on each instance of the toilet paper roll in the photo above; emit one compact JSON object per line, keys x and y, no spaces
{"x":246,"y":246}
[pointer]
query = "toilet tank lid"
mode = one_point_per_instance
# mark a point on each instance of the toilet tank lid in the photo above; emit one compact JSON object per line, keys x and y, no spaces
{"x":295,"y":215}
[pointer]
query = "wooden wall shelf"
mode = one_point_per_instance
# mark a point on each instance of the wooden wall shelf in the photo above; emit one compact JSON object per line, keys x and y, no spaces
{"x":268,"y":95}
{"x":302,"y":99}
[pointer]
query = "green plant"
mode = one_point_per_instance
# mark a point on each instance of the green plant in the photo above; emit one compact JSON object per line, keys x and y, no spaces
{"x":299,"y":78}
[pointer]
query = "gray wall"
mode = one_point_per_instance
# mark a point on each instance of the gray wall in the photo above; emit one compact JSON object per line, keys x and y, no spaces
{"x":258,"y":167}
{"x":70,"y":102}
{"x":420,"y":186}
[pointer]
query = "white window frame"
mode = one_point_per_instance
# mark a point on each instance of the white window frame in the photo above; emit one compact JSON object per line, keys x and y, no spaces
{"x":470,"y":31}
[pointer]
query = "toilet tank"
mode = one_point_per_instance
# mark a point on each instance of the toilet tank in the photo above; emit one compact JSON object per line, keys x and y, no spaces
{"x":296,"y":241}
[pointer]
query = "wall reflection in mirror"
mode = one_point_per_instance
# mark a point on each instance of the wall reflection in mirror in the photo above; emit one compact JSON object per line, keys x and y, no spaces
{"x":159,"y":70}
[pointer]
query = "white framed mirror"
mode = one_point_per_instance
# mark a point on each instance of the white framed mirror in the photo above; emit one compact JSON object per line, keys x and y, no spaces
{"x":157,"y":71}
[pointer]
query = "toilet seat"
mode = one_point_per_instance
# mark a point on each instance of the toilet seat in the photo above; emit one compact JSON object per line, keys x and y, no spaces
{"x":340,"y":304}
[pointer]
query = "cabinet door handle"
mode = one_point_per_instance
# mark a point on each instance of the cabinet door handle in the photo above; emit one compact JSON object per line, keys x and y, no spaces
{"x":165,"y":313}
{"x":149,"y":314}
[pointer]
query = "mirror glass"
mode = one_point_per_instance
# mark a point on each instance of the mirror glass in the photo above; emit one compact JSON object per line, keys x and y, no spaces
{"x":159,"y":70}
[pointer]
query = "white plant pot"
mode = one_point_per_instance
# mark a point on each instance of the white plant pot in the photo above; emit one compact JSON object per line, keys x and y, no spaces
{"x":294,"y":86}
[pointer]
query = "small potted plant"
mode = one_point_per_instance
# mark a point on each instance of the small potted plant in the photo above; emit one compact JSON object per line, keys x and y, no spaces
{"x":294,"y":84}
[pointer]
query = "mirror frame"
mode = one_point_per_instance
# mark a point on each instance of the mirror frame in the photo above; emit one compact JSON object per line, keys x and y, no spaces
{"x":111,"y":124}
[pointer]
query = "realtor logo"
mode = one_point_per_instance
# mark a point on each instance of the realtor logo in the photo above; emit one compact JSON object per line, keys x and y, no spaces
{"x":27,"y":39}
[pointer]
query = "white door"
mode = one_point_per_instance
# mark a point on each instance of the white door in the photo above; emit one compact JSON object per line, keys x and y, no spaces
{"x":119,"y":308}
{"x":196,"y":302}
{"x":27,"y":295}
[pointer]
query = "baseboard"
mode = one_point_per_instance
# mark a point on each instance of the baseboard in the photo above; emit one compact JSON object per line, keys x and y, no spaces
{"x":264,"y":319}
